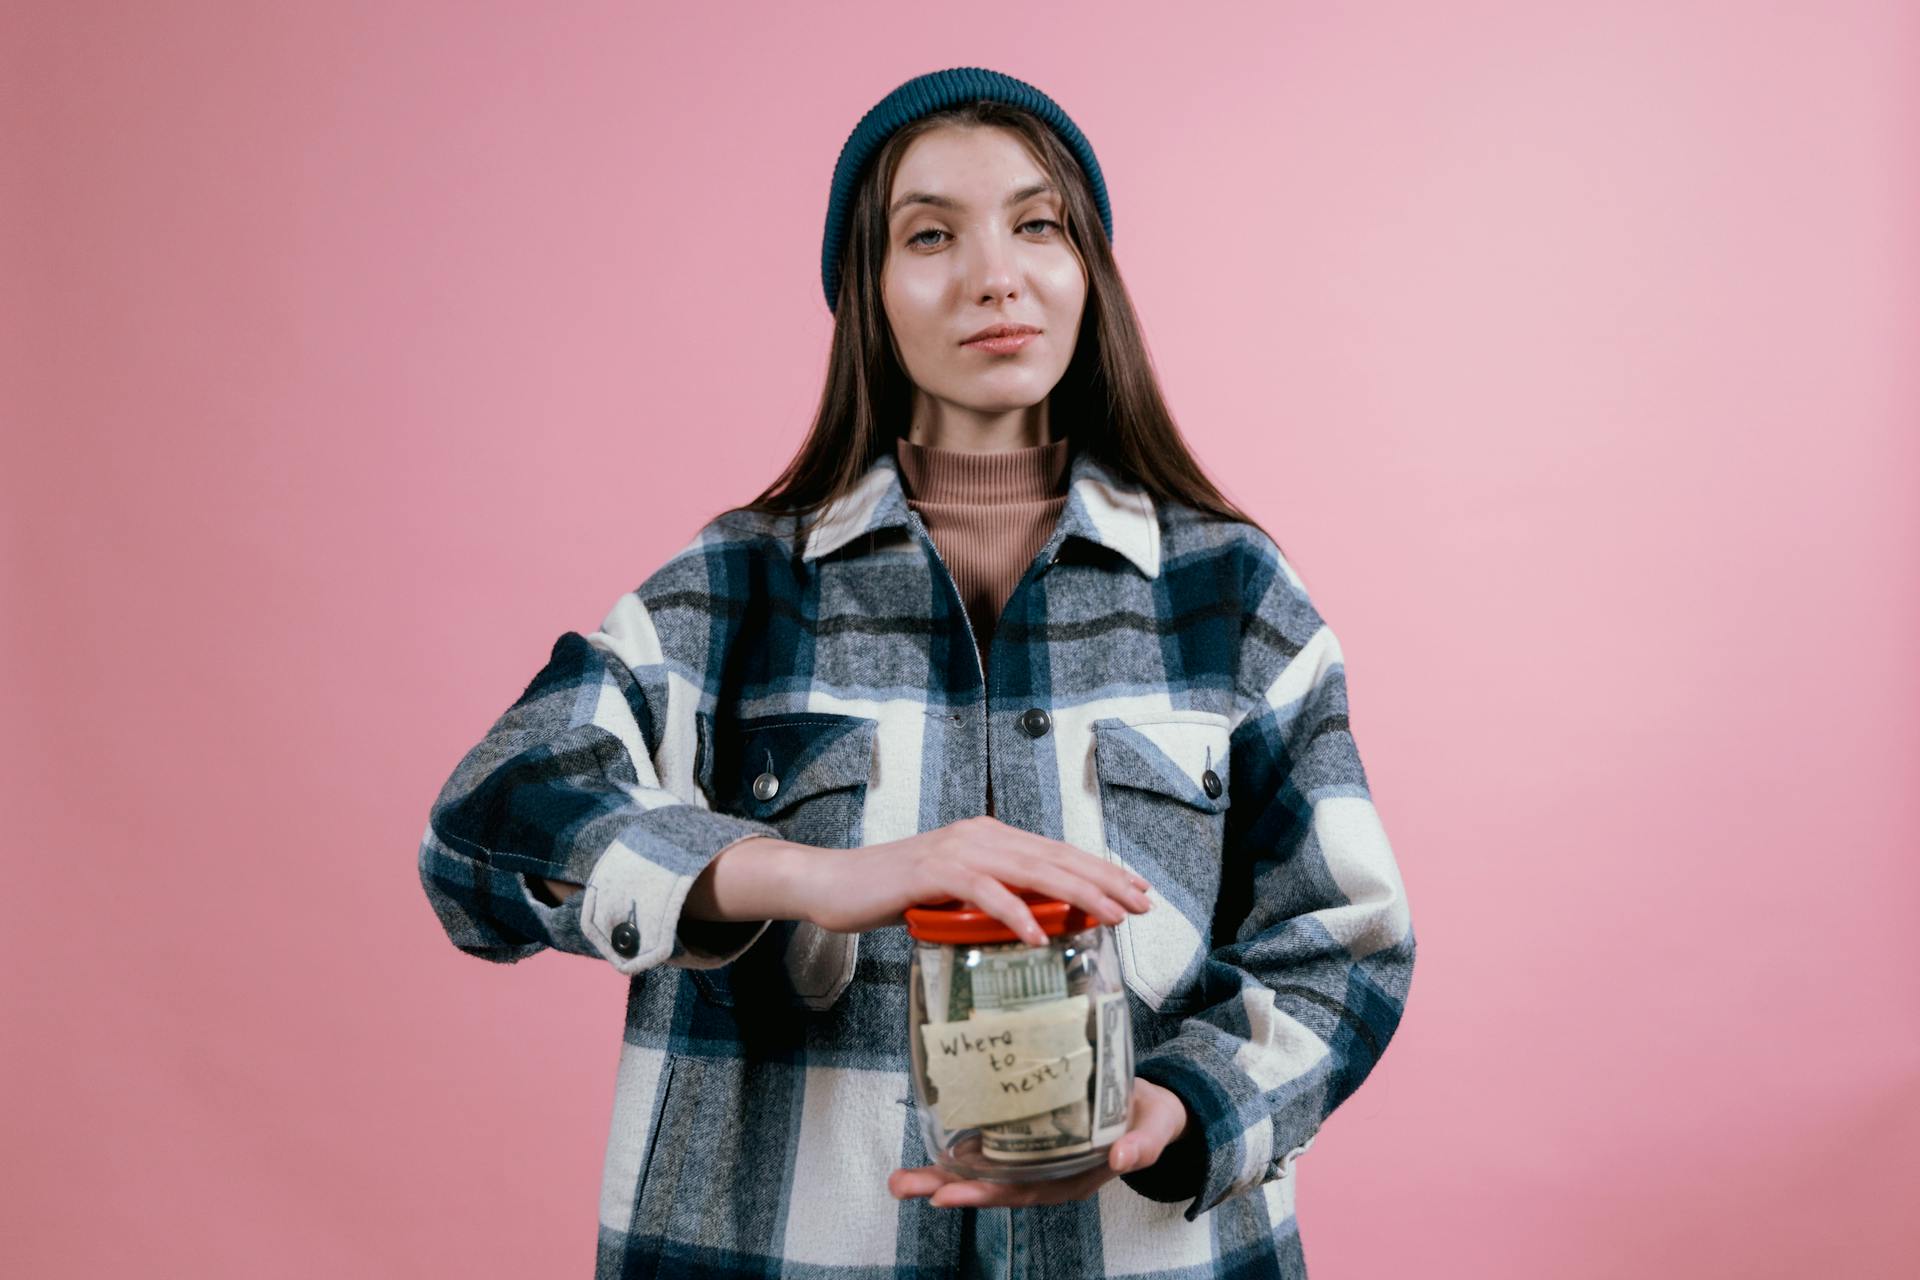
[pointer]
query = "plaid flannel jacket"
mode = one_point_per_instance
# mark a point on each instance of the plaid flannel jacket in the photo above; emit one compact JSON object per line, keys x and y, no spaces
{"x":762,"y":1095}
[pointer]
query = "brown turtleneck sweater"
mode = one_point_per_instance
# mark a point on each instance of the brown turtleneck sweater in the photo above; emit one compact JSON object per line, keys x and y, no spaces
{"x":989,"y":513}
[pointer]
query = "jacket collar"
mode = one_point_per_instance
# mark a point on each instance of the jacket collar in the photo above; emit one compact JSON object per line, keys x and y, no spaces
{"x":1101,"y":507}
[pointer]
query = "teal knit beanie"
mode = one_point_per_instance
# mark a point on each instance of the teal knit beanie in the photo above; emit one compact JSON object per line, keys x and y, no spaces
{"x":924,"y":95}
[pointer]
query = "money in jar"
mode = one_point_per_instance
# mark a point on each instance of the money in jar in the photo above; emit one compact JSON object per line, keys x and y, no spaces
{"x":1022,"y":1055}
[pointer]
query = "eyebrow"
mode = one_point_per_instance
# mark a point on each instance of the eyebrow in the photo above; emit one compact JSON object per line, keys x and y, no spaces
{"x":948,"y":202}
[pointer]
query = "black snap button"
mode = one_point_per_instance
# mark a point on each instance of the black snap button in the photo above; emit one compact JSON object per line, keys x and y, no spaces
{"x":626,"y":939}
{"x":1211,"y":781}
{"x":1036,"y":721}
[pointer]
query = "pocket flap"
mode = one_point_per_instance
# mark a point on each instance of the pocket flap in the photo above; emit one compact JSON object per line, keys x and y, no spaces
{"x":802,"y":754}
{"x":1169,"y":757}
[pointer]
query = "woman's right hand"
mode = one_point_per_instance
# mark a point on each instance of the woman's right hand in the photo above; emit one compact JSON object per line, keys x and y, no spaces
{"x":975,"y":859}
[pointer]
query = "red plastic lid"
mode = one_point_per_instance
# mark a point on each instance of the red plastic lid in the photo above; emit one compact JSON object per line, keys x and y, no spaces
{"x":952,"y":920}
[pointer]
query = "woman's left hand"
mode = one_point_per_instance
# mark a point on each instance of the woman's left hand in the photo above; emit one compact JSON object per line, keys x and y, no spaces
{"x":1159,"y":1117}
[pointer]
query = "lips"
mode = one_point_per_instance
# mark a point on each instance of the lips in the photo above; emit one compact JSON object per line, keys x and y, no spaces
{"x":1002,"y":346}
{"x":1001,"y":339}
{"x":1001,"y":331}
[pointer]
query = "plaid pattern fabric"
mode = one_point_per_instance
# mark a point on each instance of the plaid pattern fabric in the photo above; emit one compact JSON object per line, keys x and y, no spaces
{"x":762,"y":1094}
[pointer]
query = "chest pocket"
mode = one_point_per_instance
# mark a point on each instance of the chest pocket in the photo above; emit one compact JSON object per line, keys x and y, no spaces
{"x":1163,"y":800}
{"x":806,"y":775}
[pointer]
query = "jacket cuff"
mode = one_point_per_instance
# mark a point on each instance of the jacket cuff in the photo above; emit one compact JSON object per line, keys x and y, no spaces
{"x":704,"y":944}
{"x":1181,"y":1170}
{"x":1232,"y":1127}
{"x":629,"y":910}
{"x":557,"y":925}
{"x":708,"y":944}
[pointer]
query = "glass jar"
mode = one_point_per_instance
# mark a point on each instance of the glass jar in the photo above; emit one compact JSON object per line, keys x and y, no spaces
{"x":1022,"y":1055}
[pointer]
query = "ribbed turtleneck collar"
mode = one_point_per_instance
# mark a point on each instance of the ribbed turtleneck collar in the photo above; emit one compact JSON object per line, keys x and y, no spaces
{"x":1031,"y":474}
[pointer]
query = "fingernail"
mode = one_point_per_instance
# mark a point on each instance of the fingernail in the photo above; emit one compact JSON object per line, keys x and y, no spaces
{"x":1123,"y":1159}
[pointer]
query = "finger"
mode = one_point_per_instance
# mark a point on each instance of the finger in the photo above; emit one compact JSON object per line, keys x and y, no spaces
{"x":1018,"y":857}
{"x":906,"y":1184}
{"x":985,"y":1195}
{"x":1114,"y":879}
{"x":995,"y":1195}
{"x":975,"y":1194}
{"x":1056,"y":882}
{"x":1003,"y":905}
{"x":1110,"y":877}
{"x":1028,"y":850}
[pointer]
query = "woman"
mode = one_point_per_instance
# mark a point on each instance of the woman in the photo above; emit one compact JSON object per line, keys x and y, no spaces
{"x":991,"y":629}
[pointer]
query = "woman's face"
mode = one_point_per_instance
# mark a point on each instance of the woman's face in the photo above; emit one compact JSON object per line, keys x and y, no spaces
{"x":974,"y":239}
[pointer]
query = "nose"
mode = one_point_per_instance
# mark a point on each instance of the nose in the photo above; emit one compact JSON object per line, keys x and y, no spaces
{"x":992,"y":268}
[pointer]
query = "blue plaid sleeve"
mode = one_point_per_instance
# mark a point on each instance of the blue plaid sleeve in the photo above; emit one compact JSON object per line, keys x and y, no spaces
{"x":592,"y":776}
{"x":1315,"y":941}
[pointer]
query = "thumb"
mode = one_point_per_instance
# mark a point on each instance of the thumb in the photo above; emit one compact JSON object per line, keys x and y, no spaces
{"x":1160,"y":1117}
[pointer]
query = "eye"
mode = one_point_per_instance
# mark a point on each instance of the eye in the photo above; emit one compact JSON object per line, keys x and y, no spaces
{"x":915,"y":239}
{"x":1040,"y":222}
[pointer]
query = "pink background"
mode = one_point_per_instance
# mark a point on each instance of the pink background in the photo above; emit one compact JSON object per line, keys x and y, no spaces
{"x":353,"y":352}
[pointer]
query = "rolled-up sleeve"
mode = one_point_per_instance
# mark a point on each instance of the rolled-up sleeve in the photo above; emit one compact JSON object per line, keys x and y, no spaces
{"x":591,"y":776}
{"x":1309,"y":980}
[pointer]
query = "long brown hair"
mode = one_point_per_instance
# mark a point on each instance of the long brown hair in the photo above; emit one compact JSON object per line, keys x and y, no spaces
{"x":1108,"y":400}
